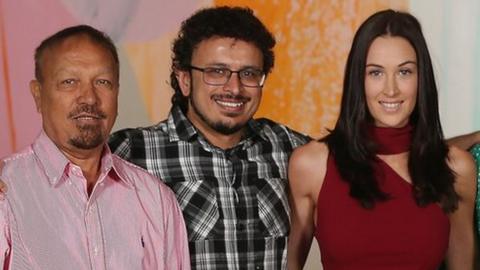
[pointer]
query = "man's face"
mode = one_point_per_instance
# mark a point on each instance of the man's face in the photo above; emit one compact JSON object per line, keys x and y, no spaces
{"x":77,"y":96}
{"x":222,"y":109}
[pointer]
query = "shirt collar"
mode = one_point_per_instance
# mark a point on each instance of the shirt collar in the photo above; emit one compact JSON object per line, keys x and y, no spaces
{"x":56,"y":164}
{"x":255,"y":128}
{"x":121,"y":170}
{"x":180,"y":128}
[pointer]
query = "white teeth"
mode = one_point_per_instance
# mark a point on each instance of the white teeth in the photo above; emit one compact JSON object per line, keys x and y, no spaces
{"x":230,"y":104}
{"x":390,"y":105}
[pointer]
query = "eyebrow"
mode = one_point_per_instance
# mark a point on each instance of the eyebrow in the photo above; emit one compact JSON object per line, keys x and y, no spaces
{"x":407,"y":62}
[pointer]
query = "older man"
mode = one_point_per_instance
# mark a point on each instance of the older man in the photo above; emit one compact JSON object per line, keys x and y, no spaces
{"x":71,"y":204}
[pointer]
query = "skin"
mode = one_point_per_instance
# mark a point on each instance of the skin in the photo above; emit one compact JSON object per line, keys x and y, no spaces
{"x":77,"y":99}
{"x":391,"y":81}
{"x":465,"y":141}
{"x":386,"y":81}
{"x":461,"y":252}
{"x":221,"y":112}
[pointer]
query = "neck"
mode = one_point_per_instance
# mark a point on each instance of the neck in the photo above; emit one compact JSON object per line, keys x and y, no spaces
{"x":218,"y":139}
{"x":221,"y":140}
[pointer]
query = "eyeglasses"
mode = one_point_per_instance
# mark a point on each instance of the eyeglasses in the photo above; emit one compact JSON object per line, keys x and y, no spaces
{"x":217,"y":76}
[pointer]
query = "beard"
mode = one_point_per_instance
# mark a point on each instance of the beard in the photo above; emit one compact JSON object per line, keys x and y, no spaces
{"x":89,"y":135}
{"x":218,"y":126}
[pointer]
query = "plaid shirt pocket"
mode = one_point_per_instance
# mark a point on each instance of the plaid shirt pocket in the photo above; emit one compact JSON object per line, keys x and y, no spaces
{"x":273,"y":207}
{"x":199,"y":206}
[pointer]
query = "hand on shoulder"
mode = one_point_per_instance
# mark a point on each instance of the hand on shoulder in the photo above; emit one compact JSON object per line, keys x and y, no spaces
{"x":461,"y":161}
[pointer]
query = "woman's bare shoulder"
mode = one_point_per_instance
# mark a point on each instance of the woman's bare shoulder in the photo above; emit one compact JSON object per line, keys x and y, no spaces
{"x":307,"y":167}
{"x":310,"y":154}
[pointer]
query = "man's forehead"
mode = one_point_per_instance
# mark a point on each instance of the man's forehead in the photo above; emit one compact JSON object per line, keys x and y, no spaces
{"x":76,"y":42}
{"x":225,"y":48}
{"x":76,"y":47}
{"x":231,"y":41}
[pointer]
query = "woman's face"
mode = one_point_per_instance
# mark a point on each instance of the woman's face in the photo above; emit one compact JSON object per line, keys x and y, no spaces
{"x":391,"y":77}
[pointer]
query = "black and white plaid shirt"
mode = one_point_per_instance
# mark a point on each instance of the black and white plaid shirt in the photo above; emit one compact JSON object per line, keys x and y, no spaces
{"x":234,"y":201}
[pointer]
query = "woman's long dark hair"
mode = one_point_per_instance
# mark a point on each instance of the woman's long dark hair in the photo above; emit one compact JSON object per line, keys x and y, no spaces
{"x":432,"y":178}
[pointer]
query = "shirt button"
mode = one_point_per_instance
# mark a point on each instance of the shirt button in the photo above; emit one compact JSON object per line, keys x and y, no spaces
{"x":95,"y":251}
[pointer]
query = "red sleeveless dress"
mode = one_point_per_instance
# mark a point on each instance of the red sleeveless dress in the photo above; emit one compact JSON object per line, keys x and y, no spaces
{"x":394,"y":235}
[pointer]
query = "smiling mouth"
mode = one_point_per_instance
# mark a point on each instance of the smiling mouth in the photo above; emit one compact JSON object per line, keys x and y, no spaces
{"x":231,"y":103}
{"x":87,"y":113}
{"x":87,"y":117}
{"x":390,"y":106}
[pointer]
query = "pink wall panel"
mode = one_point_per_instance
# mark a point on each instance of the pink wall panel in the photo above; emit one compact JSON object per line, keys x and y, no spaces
{"x":25,"y":23}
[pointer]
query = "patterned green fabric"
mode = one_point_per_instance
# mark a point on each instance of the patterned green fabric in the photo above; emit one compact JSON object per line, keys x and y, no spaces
{"x":476,"y":154}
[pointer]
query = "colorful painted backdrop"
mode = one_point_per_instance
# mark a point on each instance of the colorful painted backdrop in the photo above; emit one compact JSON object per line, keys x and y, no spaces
{"x":304,"y":89}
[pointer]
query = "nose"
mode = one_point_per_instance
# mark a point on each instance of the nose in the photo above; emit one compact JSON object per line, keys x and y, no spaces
{"x":233,"y":84}
{"x":391,"y":86}
{"x":88,"y":94}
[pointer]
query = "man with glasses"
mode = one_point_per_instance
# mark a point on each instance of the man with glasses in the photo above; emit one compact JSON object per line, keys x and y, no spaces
{"x":228,"y":171}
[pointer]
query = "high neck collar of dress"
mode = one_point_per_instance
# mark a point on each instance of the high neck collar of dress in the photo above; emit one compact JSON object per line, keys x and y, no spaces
{"x":391,"y":141}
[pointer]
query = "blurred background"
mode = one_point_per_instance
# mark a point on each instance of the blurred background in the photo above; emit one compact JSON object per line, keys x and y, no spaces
{"x":304,"y":90}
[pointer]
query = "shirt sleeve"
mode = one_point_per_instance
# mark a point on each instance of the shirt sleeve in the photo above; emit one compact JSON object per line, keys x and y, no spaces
{"x":119,"y":143}
{"x":476,"y":155}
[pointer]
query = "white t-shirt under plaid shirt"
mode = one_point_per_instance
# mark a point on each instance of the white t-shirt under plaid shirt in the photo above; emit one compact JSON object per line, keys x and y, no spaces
{"x":234,"y":201}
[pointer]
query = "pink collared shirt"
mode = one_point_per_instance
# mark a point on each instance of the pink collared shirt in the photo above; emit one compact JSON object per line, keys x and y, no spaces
{"x":130,"y":221}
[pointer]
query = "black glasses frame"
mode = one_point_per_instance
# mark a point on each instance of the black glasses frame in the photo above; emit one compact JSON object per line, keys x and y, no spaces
{"x":228,"y":76}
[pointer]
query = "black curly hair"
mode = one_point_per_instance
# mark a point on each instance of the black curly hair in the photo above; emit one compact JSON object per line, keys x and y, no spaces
{"x":232,"y":22}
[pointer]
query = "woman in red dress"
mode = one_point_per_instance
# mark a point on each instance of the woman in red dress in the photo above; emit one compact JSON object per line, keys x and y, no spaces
{"x":383,"y":190}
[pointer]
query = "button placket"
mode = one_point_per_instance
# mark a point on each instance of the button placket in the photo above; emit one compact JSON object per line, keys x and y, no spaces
{"x":94,"y":234}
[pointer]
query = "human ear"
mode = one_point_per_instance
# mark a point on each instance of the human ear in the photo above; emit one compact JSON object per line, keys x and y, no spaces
{"x":35,"y":90}
{"x":184,"y":80}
